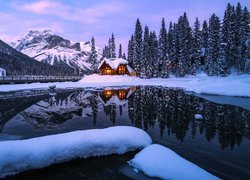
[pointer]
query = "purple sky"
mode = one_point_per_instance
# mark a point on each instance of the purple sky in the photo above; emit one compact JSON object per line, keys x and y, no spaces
{"x":78,"y":20}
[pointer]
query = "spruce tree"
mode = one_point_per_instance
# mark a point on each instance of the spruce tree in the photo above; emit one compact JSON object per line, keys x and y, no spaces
{"x":196,"y":45}
{"x":245,"y":41}
{"x":162,"y":46}
{"x":145,"y":60}
{"x":93,"y":57}
{"x":112,"y":46}
{"x":204,"y":41}
{"x":137,"y":47}
{"x":185,"y":40}
{"x":120,"y":51}
{"x":222,"y":62}
{"x":171,"y":47}
{"x":213,"y":45}
{"x":153,"y":46}
{"x":131,"y":51}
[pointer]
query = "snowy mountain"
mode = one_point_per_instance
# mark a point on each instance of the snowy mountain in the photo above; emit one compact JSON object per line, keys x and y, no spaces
{"x":17,"y":63}
{"x":47,"y":47}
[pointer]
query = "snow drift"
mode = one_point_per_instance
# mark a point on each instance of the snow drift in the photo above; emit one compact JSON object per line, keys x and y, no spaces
{"x":21,"y":155}
{"x":158,"y":161}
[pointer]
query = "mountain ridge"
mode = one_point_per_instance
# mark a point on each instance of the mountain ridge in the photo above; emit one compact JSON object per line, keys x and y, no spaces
{"x":48,"y":47}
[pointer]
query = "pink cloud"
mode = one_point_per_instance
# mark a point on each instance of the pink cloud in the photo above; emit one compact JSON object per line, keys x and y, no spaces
{"x":85,"y":15}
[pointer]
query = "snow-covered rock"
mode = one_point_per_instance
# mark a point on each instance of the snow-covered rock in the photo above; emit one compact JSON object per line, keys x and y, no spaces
{"x":45,"y":46}
{"x":158,"y":161}
{"x":21,"y":155}
{"x":198,"y":116}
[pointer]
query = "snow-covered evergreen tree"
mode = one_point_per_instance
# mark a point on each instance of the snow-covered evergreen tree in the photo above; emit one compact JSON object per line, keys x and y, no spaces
{"x":112,"y":46}
{"x":137,"y":47}
{"x":196,"y":56}
{"x":145,"y":60}
{"x":185,"y":40}
{"x":93,"y":57}
{"x":131,"y":51}
{"x":227,"y":34}
{"x":171,"y":47}
{"x":153,"y":44}
{"x":204,"y":41}
{"x":162,"y":50}
{"x":245,"y":53}
{"x":222,"y":62}
{"x":213,"y":45}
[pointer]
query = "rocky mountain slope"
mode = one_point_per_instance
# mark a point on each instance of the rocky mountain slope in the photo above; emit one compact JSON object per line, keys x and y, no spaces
{"x":47,"y":47}
{"x":17,"y":63}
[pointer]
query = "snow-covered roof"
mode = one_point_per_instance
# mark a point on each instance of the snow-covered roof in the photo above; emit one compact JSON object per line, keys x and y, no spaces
{"x":1,"y":69}
{"x":113,"y":62}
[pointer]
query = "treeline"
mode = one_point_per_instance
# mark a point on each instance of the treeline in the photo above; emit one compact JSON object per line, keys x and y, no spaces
{"x":16,"y":63}
{"x":217,"y":48}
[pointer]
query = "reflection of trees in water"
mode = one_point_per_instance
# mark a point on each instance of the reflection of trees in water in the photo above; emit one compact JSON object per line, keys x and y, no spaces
{"x":174,"y":111}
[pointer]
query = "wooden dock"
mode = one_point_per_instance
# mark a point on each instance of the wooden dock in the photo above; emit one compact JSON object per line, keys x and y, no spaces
{"x":32,"y":79}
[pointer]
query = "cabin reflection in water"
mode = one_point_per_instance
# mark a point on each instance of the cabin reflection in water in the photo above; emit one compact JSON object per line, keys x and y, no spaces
{"x":116,"y":96}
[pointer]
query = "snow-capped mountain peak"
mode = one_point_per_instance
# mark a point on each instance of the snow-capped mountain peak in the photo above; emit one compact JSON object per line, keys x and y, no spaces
{"x":47,"y":47}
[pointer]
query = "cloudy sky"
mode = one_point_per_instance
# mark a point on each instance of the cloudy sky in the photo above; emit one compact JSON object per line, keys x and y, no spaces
{"x":78,"y":20}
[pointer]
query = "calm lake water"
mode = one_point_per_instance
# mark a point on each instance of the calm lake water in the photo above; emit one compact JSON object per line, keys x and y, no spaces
{"x":219,"y":143}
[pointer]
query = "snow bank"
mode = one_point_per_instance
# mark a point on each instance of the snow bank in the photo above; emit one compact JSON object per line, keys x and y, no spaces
{"x":21,"y":155}
{"x":234,"y":85}
{"x":158,"y":161}
{"x":103,"y":79}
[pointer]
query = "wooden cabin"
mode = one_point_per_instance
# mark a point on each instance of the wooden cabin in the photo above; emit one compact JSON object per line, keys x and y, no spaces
{"x":115,"y":66}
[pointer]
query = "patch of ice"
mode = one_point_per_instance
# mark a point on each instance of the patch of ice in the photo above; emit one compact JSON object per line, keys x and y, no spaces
{"x":21,"y":155}
{"x":158,"y":161}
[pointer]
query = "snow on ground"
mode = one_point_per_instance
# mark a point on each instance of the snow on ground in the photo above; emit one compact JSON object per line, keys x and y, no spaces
{"x":198,"y":116}
{"x":158,"y":161}
{"x":234,"y":85}
{"x":21,"y":155}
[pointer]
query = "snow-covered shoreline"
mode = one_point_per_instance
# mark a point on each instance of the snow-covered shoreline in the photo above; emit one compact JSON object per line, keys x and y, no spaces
{"x":234,"y":85}
{"x":20,"y":155}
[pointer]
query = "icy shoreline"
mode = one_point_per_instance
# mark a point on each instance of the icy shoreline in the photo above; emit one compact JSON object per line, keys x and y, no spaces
{"x":21,"y":155}
{"x":234,"y":85}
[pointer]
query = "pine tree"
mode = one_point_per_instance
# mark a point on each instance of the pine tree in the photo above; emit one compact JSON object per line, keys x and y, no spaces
{"x":213,"y":45}
{"x":176,"y":50}
{"x":120,"y":51}
{"x":137,"y":47}
{"x":204,"y":41}
{"x":222,"y":62}
{"x":153,"y":46}
{"x":171,"y":47}
{"x":93,"y":57}
{"x":196,"y":45}
{"x":228,"y":34}
{"x":245,"y":40}
{"x":163,"y":58}
{"x":112,"y":46}
{"x":185,"y":40}
{"x":131,"y":51}
{"x":145,"y":60}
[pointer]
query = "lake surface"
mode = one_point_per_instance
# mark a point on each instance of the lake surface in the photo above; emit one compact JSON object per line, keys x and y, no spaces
{"x":219,"y":143}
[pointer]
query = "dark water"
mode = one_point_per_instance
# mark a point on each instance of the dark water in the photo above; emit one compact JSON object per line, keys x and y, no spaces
{"x":220,"y":143}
